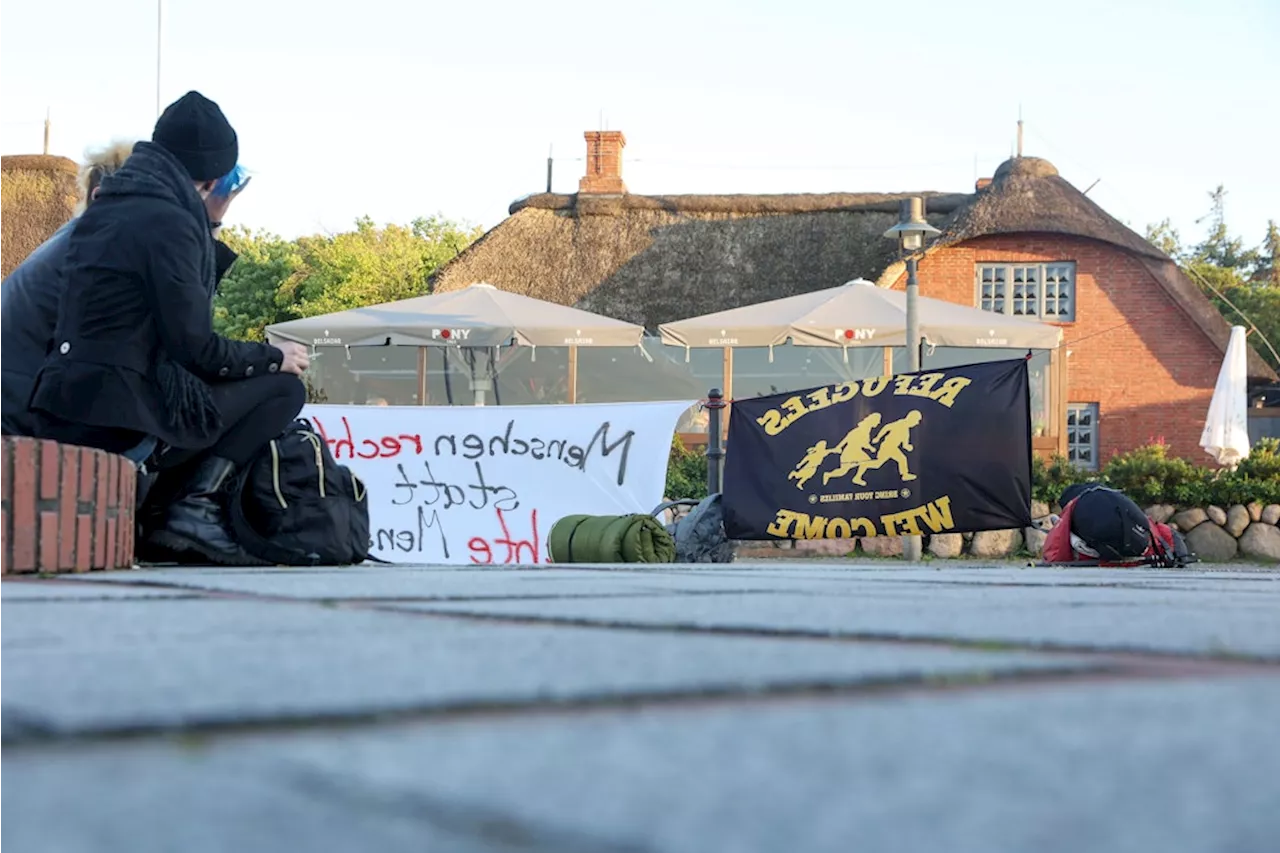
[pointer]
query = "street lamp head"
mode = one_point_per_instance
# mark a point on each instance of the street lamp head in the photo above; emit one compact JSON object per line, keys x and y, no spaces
{"x":912,"y":229}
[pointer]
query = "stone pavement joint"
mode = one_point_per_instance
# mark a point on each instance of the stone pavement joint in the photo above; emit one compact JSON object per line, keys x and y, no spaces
{"x":24,"y":729}
{"x":986,"y":645}
{"x":501,"y":829}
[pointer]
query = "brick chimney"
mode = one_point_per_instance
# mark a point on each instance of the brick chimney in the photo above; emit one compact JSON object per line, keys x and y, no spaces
{"x":604,"y":163}
{"x":982,"y":184}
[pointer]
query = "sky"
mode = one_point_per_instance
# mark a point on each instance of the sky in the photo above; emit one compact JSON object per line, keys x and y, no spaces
{"x":397,"y":109}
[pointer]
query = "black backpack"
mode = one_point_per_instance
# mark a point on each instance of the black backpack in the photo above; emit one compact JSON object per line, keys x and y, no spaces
{"x":1109,"y":522}
{"x":294,"y":505}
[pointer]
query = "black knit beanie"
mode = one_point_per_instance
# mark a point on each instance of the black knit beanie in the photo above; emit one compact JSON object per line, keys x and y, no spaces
{"x":194,"y":130}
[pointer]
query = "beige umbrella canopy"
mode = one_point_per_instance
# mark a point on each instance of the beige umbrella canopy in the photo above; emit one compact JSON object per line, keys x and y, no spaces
{"x":477,"y":316}
{"x":858,"y":314}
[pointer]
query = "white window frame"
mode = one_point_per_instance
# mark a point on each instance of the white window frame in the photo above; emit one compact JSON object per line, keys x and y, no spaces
{"x":988,"y":287}
{"x":1074,"y":411}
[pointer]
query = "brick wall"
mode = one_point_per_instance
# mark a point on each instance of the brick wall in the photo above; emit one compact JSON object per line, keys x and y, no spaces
{"x":1131,"y":349}
{"x":65,"y":508}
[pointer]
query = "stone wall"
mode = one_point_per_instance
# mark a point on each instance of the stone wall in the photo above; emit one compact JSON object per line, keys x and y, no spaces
{"x":1214,"y":534}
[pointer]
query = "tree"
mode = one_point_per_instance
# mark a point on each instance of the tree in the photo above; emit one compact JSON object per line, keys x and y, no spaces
{"x":1268,"y":269}
{"x":1238,"y":280}
{"x":276,"y":279}
{"x":371,"y":265}
{"x":249,"y":298}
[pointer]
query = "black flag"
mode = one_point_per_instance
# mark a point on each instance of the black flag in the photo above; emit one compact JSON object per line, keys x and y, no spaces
{"x":940,"y":451}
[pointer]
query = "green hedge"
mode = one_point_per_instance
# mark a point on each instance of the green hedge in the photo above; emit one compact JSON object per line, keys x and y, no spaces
{"x":1149,"y":475}
{"x":686,"y":472}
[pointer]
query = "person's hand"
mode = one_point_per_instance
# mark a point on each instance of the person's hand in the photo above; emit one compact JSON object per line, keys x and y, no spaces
{"x":296,"y":357}
{"x":218,"y":205}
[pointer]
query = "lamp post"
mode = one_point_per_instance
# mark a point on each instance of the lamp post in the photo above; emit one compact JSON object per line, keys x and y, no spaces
{"x":910,"y":234}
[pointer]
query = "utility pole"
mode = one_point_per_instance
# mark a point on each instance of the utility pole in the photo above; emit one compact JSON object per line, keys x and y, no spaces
{"x":159,"y":54}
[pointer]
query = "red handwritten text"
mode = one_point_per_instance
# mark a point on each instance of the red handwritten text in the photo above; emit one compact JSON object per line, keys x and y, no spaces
{"x":482,"y":550}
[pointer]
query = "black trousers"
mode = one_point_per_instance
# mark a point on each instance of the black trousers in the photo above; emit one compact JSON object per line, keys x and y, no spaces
{"x":254,"y":411}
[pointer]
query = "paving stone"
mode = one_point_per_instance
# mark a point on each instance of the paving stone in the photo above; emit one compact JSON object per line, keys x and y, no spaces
{"x":1241,"y":621}
{"x":1178,"y":767}
{"x":44,"y":590}
{"x":443,"y":583}
{"x":111,"y":664}
{"x":762,"y":576}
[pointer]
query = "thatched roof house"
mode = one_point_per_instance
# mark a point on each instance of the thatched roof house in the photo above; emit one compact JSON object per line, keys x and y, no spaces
{"x":1143,"y":344}
{"x":1028,"y":196}
{"x":38,"y":194}
{"x":655,"y":259}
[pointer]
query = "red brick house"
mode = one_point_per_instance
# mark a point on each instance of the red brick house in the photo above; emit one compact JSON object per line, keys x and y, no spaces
{"x":1142,"y":349}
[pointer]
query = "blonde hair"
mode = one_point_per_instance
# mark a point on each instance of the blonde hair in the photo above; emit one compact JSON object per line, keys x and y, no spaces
{"x":99,"y":163}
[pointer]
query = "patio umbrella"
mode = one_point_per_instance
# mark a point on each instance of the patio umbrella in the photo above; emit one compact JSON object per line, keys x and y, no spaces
{"x":474,"y":323}
{"x":858,"y":314}
{"x":1226,"y":430}
{"x":477,"y":316}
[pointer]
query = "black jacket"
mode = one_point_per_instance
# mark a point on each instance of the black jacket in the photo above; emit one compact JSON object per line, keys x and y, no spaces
{"x":134,"y":346}
{"x":29,"y":300}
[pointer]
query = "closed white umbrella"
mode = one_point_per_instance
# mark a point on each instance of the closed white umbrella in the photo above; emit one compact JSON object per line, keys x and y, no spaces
{"x":1226,"y":430}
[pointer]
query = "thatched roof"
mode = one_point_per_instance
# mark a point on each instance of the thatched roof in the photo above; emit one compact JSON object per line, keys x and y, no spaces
{"x":1027,"y":196}
{"x":656,"y":259}
{"x":38,"y":194}
{"x":653,"y":259}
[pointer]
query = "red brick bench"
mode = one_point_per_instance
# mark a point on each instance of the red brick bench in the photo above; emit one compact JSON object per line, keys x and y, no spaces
{"x":65,"y":508}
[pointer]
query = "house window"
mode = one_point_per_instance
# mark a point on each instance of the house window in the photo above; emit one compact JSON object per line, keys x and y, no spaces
{"x":1047,"y":291}
{"x":1082,"y":435}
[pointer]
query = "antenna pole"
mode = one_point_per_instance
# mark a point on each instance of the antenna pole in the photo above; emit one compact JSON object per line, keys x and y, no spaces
{"x":159,"y":54}
{"x":550,"y":152}
{"x":47,"y":112}
{"x":1019,"y":130}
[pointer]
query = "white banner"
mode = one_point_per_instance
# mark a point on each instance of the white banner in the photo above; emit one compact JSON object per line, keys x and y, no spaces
{"x":482,"y":485}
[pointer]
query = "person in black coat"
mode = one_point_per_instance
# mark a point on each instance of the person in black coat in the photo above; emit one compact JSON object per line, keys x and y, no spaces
{"x":136,"y":358}
{"x":29,"y":299}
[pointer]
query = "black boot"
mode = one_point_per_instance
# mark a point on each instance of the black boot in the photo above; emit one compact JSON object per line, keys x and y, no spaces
{"x":195,"y":523}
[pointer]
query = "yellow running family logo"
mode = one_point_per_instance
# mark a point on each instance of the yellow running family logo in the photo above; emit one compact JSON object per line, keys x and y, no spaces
{"x":866,"y":447}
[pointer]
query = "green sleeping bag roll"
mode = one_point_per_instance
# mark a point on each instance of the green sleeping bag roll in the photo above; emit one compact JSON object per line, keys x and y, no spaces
{"x":610,"y":539}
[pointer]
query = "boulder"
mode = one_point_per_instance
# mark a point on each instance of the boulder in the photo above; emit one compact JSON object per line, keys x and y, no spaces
{"x":996,"y":543}
{"x":1217,"y":515}
{"x":1211,"y":543}
{"x":946,"y":545}
{"x":1261,"y":542}
{"x":1034,"y":538}
{"x":1039,"y":509}
{"x":827,"y":547}
{"x":1237,"y":520}
{"x":1255,"y":511}
{"x":882,"y":546}
{"x":1190,"y":519}
{"x":1271,"y":514}
{"x":1160,"y":512}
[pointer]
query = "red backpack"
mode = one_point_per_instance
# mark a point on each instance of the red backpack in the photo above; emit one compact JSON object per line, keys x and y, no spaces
{"x":1164,"y":546}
